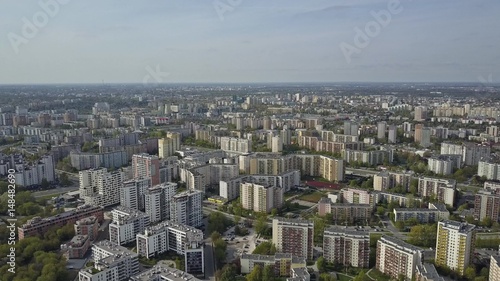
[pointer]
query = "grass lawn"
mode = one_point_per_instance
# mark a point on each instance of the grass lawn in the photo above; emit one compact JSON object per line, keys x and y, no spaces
{"x":379,"y":276}
{"x":312,"y":197}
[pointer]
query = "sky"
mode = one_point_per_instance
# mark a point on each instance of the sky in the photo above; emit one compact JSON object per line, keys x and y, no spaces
{"x":249,"y":41}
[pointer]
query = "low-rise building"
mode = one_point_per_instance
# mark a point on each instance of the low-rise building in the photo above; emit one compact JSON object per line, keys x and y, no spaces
{"x":77,"y":247}
{"x":87,"y":226}
{"x":282,"y":263}
{"x":427,"y":272}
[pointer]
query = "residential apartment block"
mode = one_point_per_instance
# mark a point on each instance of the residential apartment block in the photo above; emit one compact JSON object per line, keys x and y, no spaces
{"x":294,"y":236}
{"x":309,"y":165}
{"x":444,"y":164}
{"x":346,"y":247}
{"x":260,"y":198}
{"x":168,"y":145}
{"x":283,"y":263}
{"x":427,"y":272}
{"x":98,"y":187}
{"x":186,"y":208}
{"x":163,"y":272}
{"x":235,"y":145}
{"x":386,"y":180}
{"x":146,"y":166}
{"x":230,"y":189}
{"x":112,"y":262}
{"x":126,"y":224}
{"x":420,"y":214}
{"x":343,"y":212}
{"x":455,"y":245}
{"x":157,"y":200}
{"x":488,"y":169}
{"x":395,"y":257}
{"x":87,"y":226}
{"x":495,"y":268}
{"x":487,"y":205}
{"x":38,"y":225}
{"x":77,"y":247}
{"x":132,"y":193}
{"x":442,"y":189}
{"x":170,"y":236}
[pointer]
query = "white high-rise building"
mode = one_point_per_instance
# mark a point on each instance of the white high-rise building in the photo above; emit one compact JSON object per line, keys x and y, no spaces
{"x":381,"y":127}
{"x":126,"y":224}
{"x":132,"y":193}
{"x":157,"y":200}
{"x":455,"y":245}
{"x":98,"y":187}
{"x":277,"y":144}
{"x":441,"y":189}
{"x":186,"y":208}
{"x":170,"y":236}
{"x":112,"y":262}
{"x":395,"y":257}
{"x":489,"y":170}
{"x":393,"y":130}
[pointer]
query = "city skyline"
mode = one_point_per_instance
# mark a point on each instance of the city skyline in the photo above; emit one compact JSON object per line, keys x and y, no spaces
{"x":248,"y":42}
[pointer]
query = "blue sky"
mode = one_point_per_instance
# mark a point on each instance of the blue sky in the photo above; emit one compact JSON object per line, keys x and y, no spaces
{"x":116,"y":41}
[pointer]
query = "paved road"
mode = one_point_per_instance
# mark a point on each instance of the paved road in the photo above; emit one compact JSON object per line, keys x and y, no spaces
{"x":55,"y":191}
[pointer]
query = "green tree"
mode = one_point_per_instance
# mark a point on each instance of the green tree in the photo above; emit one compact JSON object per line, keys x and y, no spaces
{"x":268,"y":273}
{"x":64,"y":179}
{"x":45,"y":183}
{"x":321,"y":263}
{"x":220,"y":247}
{"x":256,"y":274}
{"x":423,"y":235}
{"x":380,"y":210}
{"x":274,"y":212}
{"x":326,"y":277}
{"x":470,"y":272}
{"x":261,"y":225}
{"x":215,"y":236}
{"x":265,"y":248}
{"x":227,"y":273}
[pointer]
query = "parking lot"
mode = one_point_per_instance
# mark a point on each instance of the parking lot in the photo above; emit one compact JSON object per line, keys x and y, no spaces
{"x":238,"y":245}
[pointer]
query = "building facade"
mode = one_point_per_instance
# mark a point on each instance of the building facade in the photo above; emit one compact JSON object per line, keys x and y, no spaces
{"x":294,"y":236}
{"x":346,"y":247}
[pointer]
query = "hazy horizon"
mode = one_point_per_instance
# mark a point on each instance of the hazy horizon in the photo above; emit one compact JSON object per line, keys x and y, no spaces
{"x":249,"y":42}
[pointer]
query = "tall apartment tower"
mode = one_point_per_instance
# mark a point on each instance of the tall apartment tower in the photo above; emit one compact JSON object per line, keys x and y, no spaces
{"x":260,"y":198}
{"x":168,"y":145}
{"x":395,"y":257}
{"x":286,"y":135}
{"x":98,"y":187}
{"x":294,"y":236}
{"x":145,"y":165}
{"x":346,"y":247}
{"x":420,"y":113}
{"x":132,"y":193}
{"x":392,"y":134}
{"x":157,"y":200}
{"x":455,"y":245}
{"x":276,"y":144}
{"x":185,"y":208}
{"x":381,"y":127}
